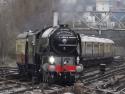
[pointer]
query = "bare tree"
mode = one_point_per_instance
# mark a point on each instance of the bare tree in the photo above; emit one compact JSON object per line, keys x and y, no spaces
{"x":18,"y":16}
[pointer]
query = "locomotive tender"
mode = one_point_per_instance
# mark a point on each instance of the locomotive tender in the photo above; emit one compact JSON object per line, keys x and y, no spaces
{"x":59,"y":54}
{"x":50,"y":55}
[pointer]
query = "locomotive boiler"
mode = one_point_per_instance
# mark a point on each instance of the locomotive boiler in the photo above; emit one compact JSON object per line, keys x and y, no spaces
{"x":50,"y":55}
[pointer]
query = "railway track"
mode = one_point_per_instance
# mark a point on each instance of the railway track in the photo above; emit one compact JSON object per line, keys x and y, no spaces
{"x":12,"y":85}
{"x":114,"y":64}
{"x":17,"y":87}
{"x":112,"y":82}
{"x":90,"y":71}
{"x":95,"y":71}
{"x":97,"y":76}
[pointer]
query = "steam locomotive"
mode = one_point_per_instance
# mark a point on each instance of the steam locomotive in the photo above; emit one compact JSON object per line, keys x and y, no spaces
{"x":50,"y":55}
{"x":59,"y":54}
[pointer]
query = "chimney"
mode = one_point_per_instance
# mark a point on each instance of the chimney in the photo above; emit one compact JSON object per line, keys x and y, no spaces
{"x":55,"y":19}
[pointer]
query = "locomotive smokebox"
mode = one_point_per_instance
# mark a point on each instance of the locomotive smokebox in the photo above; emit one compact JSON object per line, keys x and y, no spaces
{"x":63,"y":41}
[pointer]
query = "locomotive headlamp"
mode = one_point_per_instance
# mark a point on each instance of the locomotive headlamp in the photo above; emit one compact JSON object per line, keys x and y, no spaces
{"x":51,"y":59}
{"x":79,"y":68}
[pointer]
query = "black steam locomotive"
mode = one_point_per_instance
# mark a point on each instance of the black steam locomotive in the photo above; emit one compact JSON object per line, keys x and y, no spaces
{"x":50,"y":55}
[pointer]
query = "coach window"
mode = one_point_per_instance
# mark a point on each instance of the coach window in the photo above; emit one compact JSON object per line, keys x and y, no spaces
{"x":83,"y":48}
{"x":89,"y":49}
{"x":101,"y":49}
{"x":96,"y":48}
